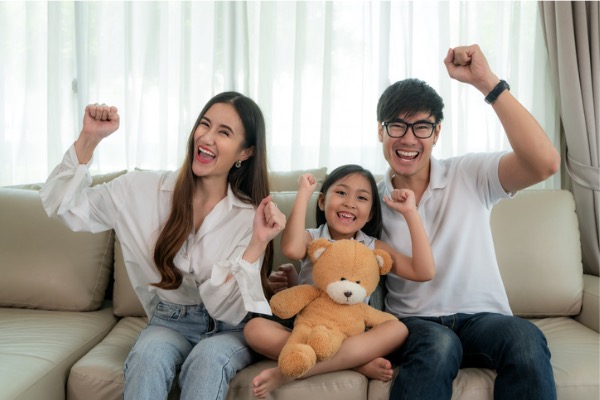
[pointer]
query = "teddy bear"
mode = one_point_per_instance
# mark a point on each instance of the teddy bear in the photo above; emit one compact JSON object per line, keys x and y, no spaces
{"x":345,"y":272}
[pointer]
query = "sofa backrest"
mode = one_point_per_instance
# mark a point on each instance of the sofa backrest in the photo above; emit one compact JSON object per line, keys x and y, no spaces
{"x":537,"y":246}
{"x":125,"y":300}
{"x":536,"y":235}
{"x":285,"y":201}
{"x":43,"y":264}
{"x":288,"y":181}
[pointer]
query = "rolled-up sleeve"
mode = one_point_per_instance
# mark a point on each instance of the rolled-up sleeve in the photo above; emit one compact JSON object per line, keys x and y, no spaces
{"x":230,"y":301}
{"x":68,"y":196}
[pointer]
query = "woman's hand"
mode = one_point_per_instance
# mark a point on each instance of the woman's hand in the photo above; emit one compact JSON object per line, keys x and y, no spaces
{"x":99,"y":122}
{"x":269,"y":221}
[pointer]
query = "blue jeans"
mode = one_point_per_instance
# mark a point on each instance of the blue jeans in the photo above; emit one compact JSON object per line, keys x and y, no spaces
{"x":185,"y":339}
{"x":437,"y":347}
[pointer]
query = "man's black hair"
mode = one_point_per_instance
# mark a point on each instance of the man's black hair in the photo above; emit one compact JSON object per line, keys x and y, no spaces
{"x":409,"y":97}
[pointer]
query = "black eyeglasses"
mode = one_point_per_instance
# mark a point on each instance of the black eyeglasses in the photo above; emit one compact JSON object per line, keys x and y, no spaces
{"x":398,"y":128}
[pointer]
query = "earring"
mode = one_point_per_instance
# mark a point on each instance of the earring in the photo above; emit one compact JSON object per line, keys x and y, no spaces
{"x":238,"y":163}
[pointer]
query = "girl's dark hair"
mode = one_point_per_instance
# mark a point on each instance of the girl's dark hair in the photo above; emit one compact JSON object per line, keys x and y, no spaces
{"x":374,"y":226}
{"x":409,"y":97}
{"x":249,"y":183}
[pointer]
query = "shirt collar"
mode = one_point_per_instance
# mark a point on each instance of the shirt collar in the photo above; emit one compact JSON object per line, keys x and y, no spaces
{"x":324,"y":233}
{"x":231,"y":200}
{"x":438,"y":175}
{"x":234,"y":201}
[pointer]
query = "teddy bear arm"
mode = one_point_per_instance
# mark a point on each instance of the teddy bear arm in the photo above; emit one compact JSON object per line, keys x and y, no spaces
{"x":376,"y":317}
{"x":289,"y":302}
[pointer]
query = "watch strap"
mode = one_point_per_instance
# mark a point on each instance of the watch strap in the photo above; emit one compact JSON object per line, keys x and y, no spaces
{"x":493,"y":95}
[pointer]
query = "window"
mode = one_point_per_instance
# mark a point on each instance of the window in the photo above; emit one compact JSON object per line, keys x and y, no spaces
{"x":315,"y":68}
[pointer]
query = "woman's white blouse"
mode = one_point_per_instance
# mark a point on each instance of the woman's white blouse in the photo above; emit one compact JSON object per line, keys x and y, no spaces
{"x":136,"y":205}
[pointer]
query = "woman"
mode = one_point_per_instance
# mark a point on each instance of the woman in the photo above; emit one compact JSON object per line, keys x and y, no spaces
{"x":196,"y":243}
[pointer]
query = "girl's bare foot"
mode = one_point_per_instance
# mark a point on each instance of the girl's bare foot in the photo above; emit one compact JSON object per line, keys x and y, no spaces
{"x":379,"y":368}
{"x":267,"y":381}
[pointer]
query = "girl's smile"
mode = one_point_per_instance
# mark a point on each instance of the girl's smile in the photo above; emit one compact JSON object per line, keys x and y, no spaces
{"x":347,"y":206}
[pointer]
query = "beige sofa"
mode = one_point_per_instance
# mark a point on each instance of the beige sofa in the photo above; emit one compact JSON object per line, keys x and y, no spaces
{"x":68,"y":315}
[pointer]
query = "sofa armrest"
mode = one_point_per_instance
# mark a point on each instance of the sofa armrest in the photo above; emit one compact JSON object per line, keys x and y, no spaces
{"x":590,"y":309}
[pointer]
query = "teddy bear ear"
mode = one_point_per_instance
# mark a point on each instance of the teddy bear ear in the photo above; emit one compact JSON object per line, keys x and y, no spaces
{"x":317,"y":247}
{"x":384,"y":260}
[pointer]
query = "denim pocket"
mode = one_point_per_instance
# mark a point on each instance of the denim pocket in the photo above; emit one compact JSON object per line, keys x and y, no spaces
{"x":167,"y":311}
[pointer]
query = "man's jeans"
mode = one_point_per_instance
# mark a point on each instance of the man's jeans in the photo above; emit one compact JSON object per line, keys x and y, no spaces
{"x":185,"y":338}
{"x":438,"y":346}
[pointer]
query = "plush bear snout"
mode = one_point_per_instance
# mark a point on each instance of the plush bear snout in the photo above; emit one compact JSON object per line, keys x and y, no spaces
{"x":346,"y":292}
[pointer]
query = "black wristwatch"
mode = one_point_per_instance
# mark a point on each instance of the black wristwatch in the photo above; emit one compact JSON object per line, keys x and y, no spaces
{"x":493,"y":95}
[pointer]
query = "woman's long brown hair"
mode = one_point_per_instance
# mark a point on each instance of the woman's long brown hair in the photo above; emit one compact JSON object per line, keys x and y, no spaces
{"x":249,"y":183}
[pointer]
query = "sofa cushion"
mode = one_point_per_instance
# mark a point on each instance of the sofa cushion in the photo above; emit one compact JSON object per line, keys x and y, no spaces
{"x":284,"y":181}
{"x":469,"y":384}
{"x":538,"y":249}
{"x":575,"y":362}
{"x":341,"y":385}
{"x":99,"y":374}
{"x":590,"y":305}
{"x":38,"y":348}
{"x":575,"y":358}
{"x":45,"y":265}
{"x":125,"y":300}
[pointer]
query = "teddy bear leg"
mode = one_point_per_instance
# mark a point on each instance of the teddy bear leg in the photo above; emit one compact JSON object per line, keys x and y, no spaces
{"x":297,"y":357}
{"x":325,"y":342}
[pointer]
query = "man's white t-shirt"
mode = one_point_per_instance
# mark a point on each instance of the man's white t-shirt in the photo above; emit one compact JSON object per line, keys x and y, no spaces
{"x":455,"y":210}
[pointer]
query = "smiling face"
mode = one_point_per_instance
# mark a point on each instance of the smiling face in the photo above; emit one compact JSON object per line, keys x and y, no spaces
{"x":347,"y":205}
{"x":408,"y":155}
{"x":219,"y":142}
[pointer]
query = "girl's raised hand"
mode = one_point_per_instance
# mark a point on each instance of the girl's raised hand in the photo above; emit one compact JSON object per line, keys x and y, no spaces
{"x":307,"y":183}
{"x":401,"y":200}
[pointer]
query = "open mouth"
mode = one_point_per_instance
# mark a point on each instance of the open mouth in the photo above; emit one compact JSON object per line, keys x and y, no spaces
{"x":205,"y":154}
{"x":346,"y":216}
{"x":407,"y":155}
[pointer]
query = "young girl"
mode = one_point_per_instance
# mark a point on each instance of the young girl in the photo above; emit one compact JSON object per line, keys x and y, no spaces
{"x":194,"y":243}
{"x":348,"y":207}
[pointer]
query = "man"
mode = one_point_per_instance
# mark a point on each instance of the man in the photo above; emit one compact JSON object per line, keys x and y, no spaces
{"x":462,"y":317}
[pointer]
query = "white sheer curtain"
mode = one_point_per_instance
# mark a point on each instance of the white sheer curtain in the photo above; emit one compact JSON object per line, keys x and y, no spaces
{"x":315,"y":68}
